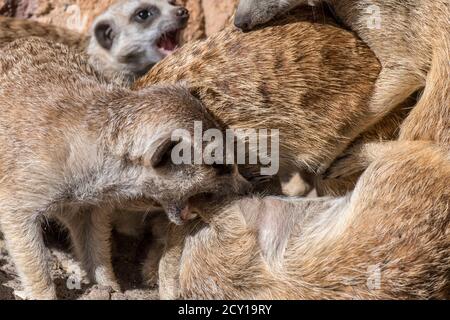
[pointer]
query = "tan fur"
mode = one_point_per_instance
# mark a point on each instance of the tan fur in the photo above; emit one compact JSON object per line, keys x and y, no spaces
{"x":388,"y":239}
{"x":13,"y":29}
{"x":412,"y":43}
{"x":134,"y":47}
{"x":311,"y":80}
{"x":76,"y":147}
{"x":344,"y":172}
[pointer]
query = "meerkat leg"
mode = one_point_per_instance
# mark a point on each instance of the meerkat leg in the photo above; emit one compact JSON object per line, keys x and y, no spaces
{"x":430,"y":118}
{"x":22,"y":232}
{"x":169,"y":282}
{"x":159,"y":225}
{"x":392,"y":88}
{"x":90,"y":230}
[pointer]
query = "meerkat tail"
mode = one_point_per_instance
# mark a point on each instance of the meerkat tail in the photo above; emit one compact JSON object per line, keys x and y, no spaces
{"x":12,"y":29}
{"x":430,"y":118}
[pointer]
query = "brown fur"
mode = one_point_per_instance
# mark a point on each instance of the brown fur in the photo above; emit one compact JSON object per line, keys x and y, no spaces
{"x":389,"y":239}
{"x":75,"y":147}
{"x":132,"y":46}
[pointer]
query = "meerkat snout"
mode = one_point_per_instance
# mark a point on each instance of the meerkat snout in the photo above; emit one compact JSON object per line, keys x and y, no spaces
{"x":252,"y":13}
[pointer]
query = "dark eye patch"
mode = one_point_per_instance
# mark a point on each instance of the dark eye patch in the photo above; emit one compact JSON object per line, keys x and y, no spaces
{"x":145,"y":14}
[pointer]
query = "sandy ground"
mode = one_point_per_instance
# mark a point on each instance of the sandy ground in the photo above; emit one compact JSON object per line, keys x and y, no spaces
{"x":128,"y":255}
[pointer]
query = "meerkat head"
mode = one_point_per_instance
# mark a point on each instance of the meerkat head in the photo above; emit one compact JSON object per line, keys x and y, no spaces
{"x":161,"y":137}
{"x":131,"y":36}
{"x":251,"y":13}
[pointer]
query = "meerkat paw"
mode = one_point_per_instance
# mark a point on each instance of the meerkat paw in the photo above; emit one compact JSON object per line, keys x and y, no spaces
{"x":296,"y":186}
{"x":105,"y":278}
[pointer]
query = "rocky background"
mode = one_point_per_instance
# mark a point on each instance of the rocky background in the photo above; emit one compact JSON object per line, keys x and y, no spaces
{"x":207,"y":16}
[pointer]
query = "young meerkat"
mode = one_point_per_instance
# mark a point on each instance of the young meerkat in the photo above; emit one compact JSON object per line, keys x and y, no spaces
{"x":388,"y":239}
{"x":74,"y":147}
{"x":411,"y":38}
{"x":126,"y":40}
{"x":294,"y":76}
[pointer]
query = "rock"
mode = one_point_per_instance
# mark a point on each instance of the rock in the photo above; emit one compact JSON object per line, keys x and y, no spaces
{"x":207,"y":16}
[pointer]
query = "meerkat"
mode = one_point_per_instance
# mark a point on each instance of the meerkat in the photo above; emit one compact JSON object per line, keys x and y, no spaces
{"x":125,"y":41}
{"x":74,"y":147}
{"x":412,"y":41}
{"x":388,"y":239}
{"x":294,"y":76}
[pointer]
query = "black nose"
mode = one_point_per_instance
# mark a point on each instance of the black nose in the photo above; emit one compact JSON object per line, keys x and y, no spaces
{"x":182,"y":12}
{"x":243,"y":23}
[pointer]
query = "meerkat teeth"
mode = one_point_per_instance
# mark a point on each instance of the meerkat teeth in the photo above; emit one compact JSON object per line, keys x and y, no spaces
{"x":168,"y":42}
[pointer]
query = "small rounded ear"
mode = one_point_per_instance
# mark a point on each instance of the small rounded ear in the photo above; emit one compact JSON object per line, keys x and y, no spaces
{"x":104,"y":33}
{"x":162,"y":153}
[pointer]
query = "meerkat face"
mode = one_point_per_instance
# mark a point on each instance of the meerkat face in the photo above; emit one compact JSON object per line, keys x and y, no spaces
{"x":136,"y":34}
{"x":251,"y":13}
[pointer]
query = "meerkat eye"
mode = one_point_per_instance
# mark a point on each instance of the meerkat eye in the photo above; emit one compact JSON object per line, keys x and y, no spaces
{"x":172,"y":2}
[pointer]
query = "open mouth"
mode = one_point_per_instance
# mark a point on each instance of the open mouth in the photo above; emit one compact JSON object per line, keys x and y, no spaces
{"x":169,"y":42}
